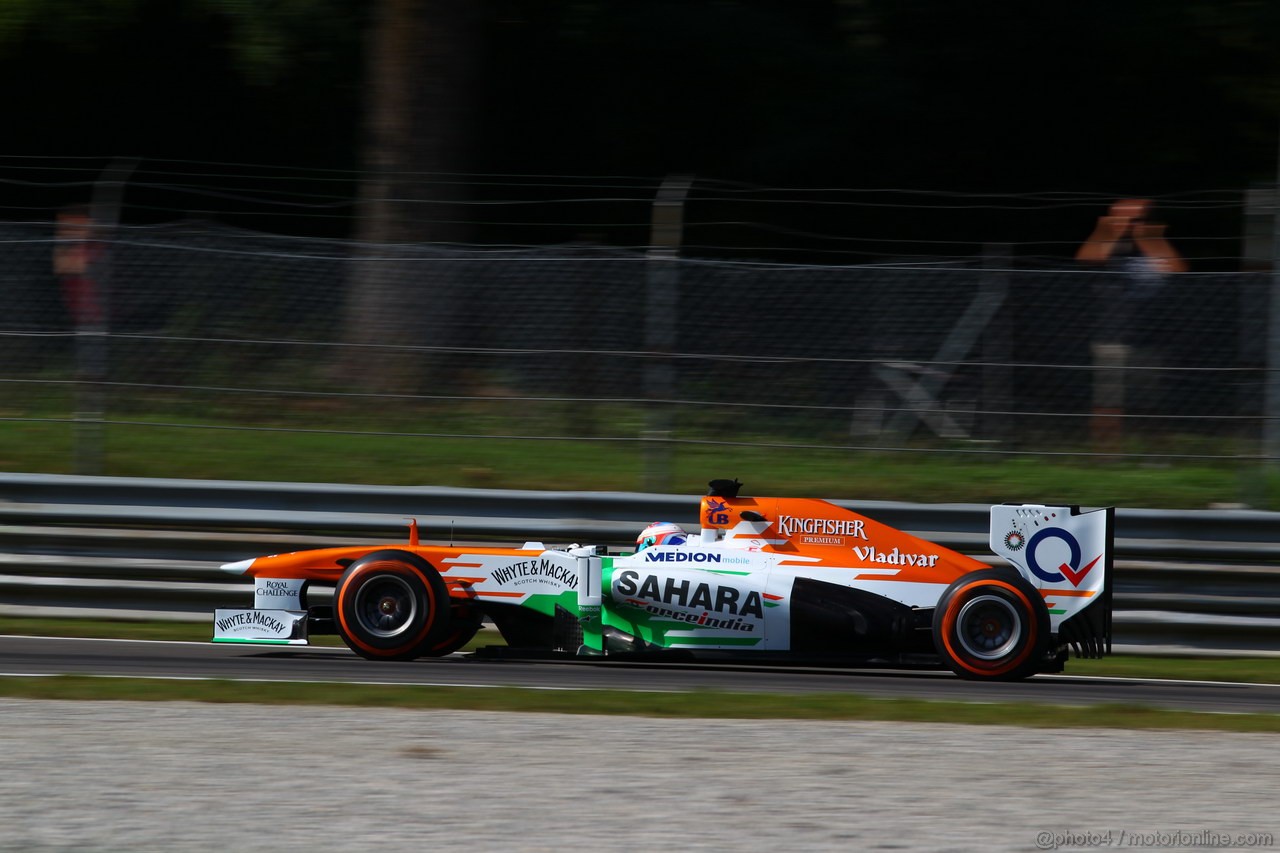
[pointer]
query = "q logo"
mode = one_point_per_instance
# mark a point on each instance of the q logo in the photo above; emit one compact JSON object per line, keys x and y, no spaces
{"x":1069,"y":570}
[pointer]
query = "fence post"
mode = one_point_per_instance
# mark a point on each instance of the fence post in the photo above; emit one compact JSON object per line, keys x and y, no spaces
{"x":997,"y":348}
{"x":662,"y":302}
{"x":92,"y":351}
{"x":1109,"y":363}
{"x":1271,"y":411}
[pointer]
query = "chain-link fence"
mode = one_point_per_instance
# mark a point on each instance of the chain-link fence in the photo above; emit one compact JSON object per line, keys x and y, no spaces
{"x":206,"y":326}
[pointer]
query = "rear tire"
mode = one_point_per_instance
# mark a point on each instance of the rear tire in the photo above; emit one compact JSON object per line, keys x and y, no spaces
{"x":991,"y":625}
{"x":391,"y":605}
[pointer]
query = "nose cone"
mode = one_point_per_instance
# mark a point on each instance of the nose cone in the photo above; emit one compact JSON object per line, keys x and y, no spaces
{"x":238,"y":568}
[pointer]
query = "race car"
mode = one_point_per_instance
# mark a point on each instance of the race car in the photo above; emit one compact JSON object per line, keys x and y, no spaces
{"x":764,"y":579}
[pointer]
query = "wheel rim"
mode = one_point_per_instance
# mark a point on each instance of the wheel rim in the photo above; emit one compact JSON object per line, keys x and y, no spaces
{"x":988,"y":627}
{"x":386,"y":606}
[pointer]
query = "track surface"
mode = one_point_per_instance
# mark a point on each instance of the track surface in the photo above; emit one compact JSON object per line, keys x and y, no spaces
{"x":51,"y":656}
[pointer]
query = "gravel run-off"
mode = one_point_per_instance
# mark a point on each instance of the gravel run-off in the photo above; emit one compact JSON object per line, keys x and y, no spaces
{"x":127,"y":776}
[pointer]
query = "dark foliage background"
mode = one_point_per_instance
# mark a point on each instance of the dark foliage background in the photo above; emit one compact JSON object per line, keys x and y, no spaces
{"x":1148,"y":97}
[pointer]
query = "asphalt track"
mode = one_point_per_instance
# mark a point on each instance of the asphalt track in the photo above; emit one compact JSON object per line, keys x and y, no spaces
{"x":42,"y":656}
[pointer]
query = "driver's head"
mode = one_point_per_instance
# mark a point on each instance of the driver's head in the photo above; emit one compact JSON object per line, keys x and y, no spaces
{"x":660,"y":533}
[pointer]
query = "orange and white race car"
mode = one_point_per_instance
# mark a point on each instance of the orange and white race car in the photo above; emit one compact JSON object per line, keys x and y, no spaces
{"x":767,"y":578}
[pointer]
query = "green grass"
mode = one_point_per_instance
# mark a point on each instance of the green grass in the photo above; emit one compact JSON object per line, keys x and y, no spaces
{"x":107,"y":629}
{"x":1249,"y":670}
{"x":696,"y":704}
{"x":935,"y":476}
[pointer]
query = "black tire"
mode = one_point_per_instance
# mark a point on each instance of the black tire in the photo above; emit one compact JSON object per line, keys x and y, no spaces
{"x":991,"y":625}
{"x":391,"y":605}
{"x":464,"y":622}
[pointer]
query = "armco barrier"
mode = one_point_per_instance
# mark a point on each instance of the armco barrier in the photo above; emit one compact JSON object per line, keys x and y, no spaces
{"x":1206,"y":581}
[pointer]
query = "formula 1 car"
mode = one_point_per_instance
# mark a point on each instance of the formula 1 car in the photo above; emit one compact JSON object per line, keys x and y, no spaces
{"x":766,"y":578}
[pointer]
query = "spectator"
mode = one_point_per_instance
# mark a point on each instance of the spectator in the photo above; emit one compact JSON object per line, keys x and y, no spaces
{"x":1138,"y":259}
{"x":1127,"y":241}
{"x":74,"y":254}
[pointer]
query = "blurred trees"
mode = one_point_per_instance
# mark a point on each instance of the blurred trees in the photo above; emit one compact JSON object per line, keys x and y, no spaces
{"x":892,"y":92}
{"x":218,"y":80}
{"x":420,"y":98}
{"x":1132,"y":98}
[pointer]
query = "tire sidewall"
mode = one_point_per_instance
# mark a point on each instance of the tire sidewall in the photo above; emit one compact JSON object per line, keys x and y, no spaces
{"x":463,"y":626}
{"x":424,"y":583}
{"x":1024,"y":658}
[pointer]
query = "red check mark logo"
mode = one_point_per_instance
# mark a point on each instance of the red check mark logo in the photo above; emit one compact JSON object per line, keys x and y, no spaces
{"x":1074,"y":576}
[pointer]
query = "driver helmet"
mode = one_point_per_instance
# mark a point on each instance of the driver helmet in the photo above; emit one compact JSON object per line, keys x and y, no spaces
{"x":661,"y":533}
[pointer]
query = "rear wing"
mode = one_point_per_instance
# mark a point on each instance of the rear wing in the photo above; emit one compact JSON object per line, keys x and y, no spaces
{"x":1067,"y":554}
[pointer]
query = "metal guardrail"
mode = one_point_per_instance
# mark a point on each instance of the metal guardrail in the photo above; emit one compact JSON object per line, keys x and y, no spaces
{"x":1206,"y":581}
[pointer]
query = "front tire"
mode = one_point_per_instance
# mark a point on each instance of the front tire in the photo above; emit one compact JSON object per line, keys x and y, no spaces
{"x":991,"y":625}
{"x":464,"y":624}
{"x":391,"y":605}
